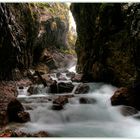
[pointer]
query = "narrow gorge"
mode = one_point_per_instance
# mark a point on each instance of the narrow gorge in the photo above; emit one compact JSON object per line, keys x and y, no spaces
{"x":69,"y":70}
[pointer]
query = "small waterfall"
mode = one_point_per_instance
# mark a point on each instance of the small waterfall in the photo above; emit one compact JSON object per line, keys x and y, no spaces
{"x":97,"y":119}
{"x":53,"y":76}
{"x":94,"y":118}
{"x":73,"y":69}
{"x":22,"y":92}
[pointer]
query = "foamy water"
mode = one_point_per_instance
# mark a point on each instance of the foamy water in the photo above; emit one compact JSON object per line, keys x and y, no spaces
{"x":97,"y":119}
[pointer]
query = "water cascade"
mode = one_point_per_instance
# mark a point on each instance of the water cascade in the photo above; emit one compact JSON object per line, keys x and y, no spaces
{"x":95,"y":118}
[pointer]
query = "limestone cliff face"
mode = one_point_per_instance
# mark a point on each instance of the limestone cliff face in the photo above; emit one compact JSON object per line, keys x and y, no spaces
{"x":54,"y":26}
{"x":55,"y":42}
{"x":105,"y":45}
{"x":19,"y":28}
{"x":27,"y":27}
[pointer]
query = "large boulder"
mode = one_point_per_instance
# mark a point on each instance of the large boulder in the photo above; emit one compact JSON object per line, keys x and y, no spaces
{"x":23,"y":117}
{"x":120,"y":96}
{"x":127,"y":96}
{"x":16,"y":113}
{"x":10,"y":108}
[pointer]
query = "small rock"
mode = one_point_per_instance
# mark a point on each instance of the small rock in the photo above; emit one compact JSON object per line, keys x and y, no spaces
{"x":76,"y":78}
{"x":49,"y":99}
{"x":57,"y":107}
{"x":137,"y":116}
{"x":128,"y":110}
{"x":41,"y":134}
{"x":70,"y":74}
{"x":62,"y":78}
{"x":61,"y":100}
{"x":82,"y":89}
{"x":85,"y":100}
{"x":23,"y":117}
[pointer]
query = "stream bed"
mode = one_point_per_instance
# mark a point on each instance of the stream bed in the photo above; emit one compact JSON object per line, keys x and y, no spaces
{"x":97,"y":118}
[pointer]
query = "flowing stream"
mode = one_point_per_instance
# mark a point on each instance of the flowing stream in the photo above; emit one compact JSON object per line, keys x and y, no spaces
{"x":97,"y":118}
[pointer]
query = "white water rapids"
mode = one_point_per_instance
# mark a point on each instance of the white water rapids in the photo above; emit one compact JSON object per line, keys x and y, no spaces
{"x":96,"y":119}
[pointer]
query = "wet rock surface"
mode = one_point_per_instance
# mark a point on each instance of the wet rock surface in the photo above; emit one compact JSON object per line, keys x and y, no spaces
{"x":53,"y":87}
{"x":16,"y":133}
{"x":16,"y":113}
{"x":119,"y":96}
{"x":127,"y":96}
{"x":76,"y":78}
{"x":85,"y":100}
{"x":59,"y":102}
{"x":65,"y":87}
{"x":10,"y":106}
{"x":128,"y":111}
{"x":57,"y":107}
{"x":31,"y":90}
{"x":9,"y":88}
{"x":100,"y":42}
{"x":23,"y":117}
{"x":24,"y":83}
{"x":82,"y":89}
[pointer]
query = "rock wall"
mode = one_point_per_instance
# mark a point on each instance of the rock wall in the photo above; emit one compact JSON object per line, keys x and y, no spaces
{"x":107,"y":51}
{"x":19,"y":29}
{"x":26,"y":30}
{"x":54,"y":26}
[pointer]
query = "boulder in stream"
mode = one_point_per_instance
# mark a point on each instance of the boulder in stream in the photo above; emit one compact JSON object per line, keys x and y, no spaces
{"x":60,"y":101}
{"x":10,"y":107}
{"x":76,"y":78}
{"x":57,"y":107}
{"x":86,"y":100}
{"x":65,"y":87}
{"x":127,"y":96}
{"x":82,"y":89}
{"x":128,"y":110}
{"x":53,"y":87}
{"x":23,"y":117}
